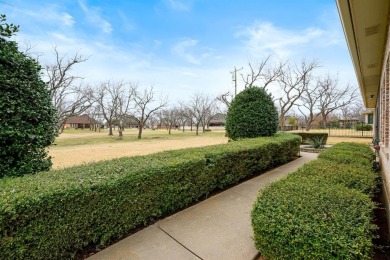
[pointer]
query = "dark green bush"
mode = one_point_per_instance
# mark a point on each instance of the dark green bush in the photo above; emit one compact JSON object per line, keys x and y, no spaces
{"x":27,"y":117}
{"x":363,"y":127}
{"x":359,"y":155}
{"x":321,"y":211}
{"x":307,"y":137}
{"x":52,"y":215}
{"x":252,"y":113}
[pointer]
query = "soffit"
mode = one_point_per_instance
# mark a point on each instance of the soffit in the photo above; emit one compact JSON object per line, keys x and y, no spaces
{"x":365,"y":26}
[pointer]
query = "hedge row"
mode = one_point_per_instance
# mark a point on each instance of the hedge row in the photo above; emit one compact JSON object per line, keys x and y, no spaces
{"x":363,"y":127}
{"x":52,"y":215}
{"x":307,"y":137}
{"x":321,"y":211}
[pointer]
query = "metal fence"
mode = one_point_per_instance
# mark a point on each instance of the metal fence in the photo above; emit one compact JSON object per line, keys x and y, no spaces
{"x":357,"y":130}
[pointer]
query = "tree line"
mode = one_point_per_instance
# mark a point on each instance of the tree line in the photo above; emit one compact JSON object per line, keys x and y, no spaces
{"x":294,"y":87}
{"x":297,"y":88}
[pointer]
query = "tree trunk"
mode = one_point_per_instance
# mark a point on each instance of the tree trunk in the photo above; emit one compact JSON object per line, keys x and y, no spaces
{"x":120,"y":132}
{"x":110,"y":130}
{"x":197,"y":129}
{"x":140,"y":127}
{"x":169,"y":130}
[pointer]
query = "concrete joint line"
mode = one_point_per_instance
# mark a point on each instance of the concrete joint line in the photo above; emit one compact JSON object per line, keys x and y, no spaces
{"x":189,"y":250}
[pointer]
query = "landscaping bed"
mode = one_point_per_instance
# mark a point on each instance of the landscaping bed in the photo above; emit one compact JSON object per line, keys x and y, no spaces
{"x":324,"y":210}
{"x":54,"y":215}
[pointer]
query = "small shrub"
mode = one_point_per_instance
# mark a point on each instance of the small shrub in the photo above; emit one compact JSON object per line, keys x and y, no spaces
{"x":317,"y":142}
{"x":363,"y":127}
{"x":307,"y":137}
{"x":321,"y":211}
{"x":252,"y":113}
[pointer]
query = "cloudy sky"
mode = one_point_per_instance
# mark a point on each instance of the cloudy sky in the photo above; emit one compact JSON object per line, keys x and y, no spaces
{"x":182,"y":47}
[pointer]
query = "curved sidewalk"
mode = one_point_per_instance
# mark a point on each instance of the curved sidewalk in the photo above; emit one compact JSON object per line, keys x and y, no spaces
{"x":216,"y":228}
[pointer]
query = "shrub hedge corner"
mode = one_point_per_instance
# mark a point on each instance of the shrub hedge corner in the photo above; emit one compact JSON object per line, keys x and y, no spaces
{"x":321,"y":211}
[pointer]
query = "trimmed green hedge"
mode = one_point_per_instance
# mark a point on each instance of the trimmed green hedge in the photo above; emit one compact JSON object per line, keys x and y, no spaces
{"x":52,"y":215}
{"x":360,"y":155}
{"x":307,"y":137}
{"x":321,"y":211}
{"x":363,"y":127}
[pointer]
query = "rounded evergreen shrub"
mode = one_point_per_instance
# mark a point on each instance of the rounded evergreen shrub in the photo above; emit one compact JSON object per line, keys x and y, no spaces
{"x":251,"y":114}
{"x":27,"y":117}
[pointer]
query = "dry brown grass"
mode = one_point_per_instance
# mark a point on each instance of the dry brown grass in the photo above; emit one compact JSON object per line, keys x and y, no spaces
{"x":335,"y":140}
{"x":77,"y":147}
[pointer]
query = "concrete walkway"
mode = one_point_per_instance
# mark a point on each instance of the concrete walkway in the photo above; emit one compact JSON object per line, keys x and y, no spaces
{"x":216,"y":228}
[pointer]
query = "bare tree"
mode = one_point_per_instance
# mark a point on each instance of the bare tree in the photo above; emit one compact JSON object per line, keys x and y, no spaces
{"x":144,"y":106}
{"x":294,"y":82}
{"x":210,"y":112}
{"x":125,"y":95}
{"x":107,"y":96}
{"x":225,"y":98}
{"x":308,"y":105}
{"x":263,"y":75}
{"x":352,"y":112}
{"x":199,"y":106}
{"x":333,"y":97}
{"x":69,"y":97}
{"x":171,"y":117}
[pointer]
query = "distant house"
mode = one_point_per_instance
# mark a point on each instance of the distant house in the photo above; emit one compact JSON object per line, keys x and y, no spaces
{"x":218,"y":120}
{"x":81,"y":122}
{"x":349,"y":123}
{"x":368,"y":116}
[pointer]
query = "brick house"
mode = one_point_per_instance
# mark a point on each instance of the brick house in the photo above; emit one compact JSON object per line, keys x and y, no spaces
{"x":81,"y":122}
{"x":366,"y":29}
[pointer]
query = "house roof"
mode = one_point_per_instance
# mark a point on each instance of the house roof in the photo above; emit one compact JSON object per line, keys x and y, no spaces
{"x":365,"y":25}
{"x":83,"y":119}
{"x":218,"y":118}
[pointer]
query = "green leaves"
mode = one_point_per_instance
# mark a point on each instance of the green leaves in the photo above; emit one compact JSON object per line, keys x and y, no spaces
{"x":321,"y":211}
{"x":27,"y":117}
{"x":51,"y":215}
{"x":7,"y":30}
{"x":252,"y":113}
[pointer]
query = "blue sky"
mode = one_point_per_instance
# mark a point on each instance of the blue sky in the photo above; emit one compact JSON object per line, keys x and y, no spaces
{"x":182,"y":47}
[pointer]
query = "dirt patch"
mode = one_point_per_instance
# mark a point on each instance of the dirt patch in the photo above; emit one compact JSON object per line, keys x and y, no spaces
{"x":76,"y":155}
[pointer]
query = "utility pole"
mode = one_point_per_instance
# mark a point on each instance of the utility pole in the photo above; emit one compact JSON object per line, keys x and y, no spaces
{"x":235,"y":79}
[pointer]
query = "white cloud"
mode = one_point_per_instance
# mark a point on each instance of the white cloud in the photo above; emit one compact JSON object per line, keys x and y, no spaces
{"x":189,"y":51}
{"x":67,"y":19}
{"x":179,"y":5}
{"x":93,"y":17}
{"x":49,"y":14}
{"x":181,"y":49}
{"x":265,"y":38}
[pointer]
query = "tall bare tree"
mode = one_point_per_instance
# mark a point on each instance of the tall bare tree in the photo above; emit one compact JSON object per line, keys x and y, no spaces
{"x":107,"y":96}
{"x":332,"y":96}
{"x":263,"y":74}
{"x":294,"y":81}
{"x":68,"y":95}
{"x":145,"y":105}
{"x":308,"y":104}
